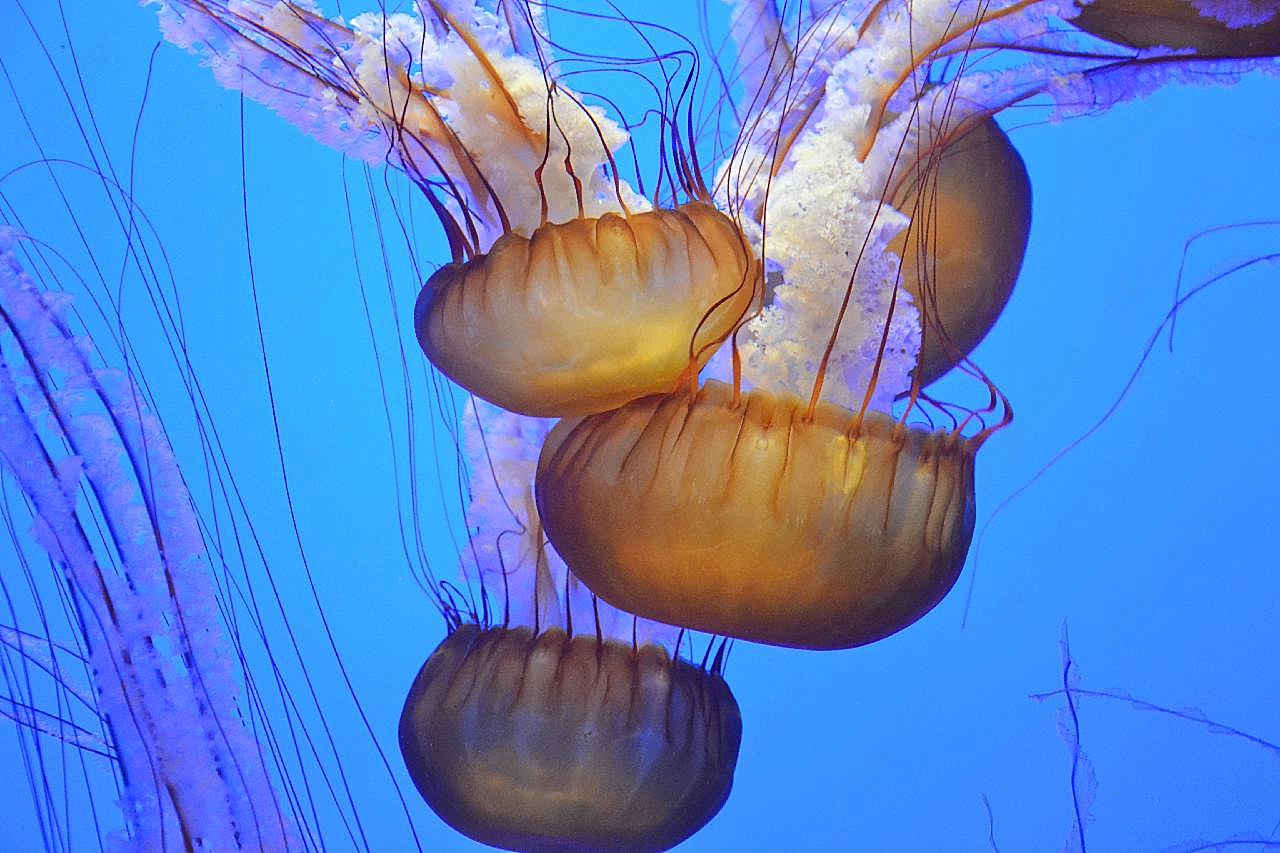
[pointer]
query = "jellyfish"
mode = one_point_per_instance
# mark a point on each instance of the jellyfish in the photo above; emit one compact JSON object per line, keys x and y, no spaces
{"x":589,"y":314}
{"x":763,"y":502}
{"x":1210,"y":29}
{"x":509,"y":745}
{"x":779,"y":517}
{"x":530,"y":729}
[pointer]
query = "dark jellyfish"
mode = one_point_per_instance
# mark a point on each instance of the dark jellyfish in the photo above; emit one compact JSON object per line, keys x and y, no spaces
{"x":1180,"y":24}
{"x":550,"y":743}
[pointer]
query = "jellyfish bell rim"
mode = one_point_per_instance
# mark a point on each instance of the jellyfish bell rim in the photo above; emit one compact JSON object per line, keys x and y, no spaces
{"x":754,"y":541}
{"x":585,"y":315}
{"x":536,"y":714}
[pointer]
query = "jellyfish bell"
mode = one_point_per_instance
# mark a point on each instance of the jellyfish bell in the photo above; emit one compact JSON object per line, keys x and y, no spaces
{"x":555,"y":743}
{"x":586,"y":315}
{"x":747,"y":517}
{"x":969,"y":199}
{"x":1237,"y":31}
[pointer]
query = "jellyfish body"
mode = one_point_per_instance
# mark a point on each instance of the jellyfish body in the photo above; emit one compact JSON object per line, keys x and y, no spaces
{"x":1239,"y":30}
{"x":970,"y":204}
{"x":751,"y":519}
{"x":586,"y":315}
{"x":552,"y":743}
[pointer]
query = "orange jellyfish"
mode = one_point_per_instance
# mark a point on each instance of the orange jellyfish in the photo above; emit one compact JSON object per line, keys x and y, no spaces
{"x":758,"y":517}
{"x":546,"y":742}
{"x":593,"y":297}
{"x":1212,"y":30}
{"x":585,"y":315}
{"x":588,"y":298}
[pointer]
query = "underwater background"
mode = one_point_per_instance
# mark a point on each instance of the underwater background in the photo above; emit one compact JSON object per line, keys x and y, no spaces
{"x":1154,"y":545}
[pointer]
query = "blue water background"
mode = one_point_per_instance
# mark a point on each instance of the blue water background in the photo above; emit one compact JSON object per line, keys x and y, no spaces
{"x":1154,"y":544}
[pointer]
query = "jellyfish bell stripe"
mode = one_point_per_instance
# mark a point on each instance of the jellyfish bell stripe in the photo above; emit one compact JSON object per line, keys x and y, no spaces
{"x":85,"y":449}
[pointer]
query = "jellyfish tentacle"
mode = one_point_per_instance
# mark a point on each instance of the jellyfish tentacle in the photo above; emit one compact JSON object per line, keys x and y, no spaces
{"x":151,"y":563}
